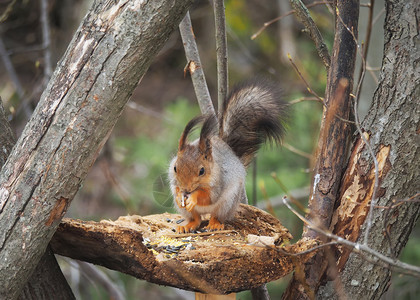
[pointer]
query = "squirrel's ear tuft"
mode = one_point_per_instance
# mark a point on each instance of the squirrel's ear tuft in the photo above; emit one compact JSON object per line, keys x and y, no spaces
{"x":207,"y":131}
{"x":205,"y":148}
{"x":188,"y":128}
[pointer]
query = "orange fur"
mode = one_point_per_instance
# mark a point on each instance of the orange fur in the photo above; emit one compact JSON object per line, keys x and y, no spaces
{"x":203,"y":197}
{"x":214,"y":224}
{"x":192,"y":225}
{"x":208,"y":174}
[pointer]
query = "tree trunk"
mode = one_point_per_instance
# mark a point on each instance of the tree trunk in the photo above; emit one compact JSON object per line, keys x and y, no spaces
{"x":108,"y":55}
{"x":392,"y":126}
{"x":47,"y":281}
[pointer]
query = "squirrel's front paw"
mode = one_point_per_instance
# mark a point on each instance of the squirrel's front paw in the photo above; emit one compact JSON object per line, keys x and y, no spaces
{"x":190,"y":203}
{"x":179,"y":198}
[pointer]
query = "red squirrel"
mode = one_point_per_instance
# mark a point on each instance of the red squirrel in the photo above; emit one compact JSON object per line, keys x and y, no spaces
{"x":207,"y":176}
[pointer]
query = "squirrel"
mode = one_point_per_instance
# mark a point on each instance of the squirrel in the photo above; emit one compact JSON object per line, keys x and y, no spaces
{"x":207,"y":176}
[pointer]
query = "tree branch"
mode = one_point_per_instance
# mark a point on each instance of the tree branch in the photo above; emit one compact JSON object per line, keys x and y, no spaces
{"x":46,"y":40}
{"x":145,"y":247}
{"x":304,"y":16}
{"x":362,"y":249}
{"x":195,"y":67}
{"x":221,"y":52}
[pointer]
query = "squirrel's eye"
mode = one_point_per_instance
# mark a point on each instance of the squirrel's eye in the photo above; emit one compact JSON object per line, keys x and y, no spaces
{"x":175,"y":169}
{"x":201,"y":172}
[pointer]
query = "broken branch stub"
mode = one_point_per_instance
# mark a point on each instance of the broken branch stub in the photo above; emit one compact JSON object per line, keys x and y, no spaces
{"x":213,"y":262}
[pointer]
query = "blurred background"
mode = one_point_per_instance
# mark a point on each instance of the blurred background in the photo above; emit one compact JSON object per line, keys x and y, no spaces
{"x":129,"y":177}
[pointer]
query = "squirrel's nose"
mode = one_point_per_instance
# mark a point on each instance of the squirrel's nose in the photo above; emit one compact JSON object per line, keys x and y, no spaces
{"x":187,"y":194}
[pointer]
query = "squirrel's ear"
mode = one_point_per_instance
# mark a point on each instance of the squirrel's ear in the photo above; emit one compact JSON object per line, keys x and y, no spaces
{"x":207,"y":131}
{"x":188,"y":128}
{"x":205,"y":148}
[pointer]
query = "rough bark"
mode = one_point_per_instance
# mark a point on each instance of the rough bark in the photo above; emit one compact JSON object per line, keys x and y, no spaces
{"x":332,"y":145}
{"x":393,"y":129}
{"x":334,"y":133}
{"x":214,"y":263}
{"x":47,"y":281}
{"x":108,"y":55}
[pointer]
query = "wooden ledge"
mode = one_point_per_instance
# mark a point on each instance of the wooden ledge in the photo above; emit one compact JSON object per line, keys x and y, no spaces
{"x":247,"y":254}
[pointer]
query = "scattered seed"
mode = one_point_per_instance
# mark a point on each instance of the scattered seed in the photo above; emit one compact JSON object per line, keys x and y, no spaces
{"x":180,"y":221}
{"x":171,"y":251}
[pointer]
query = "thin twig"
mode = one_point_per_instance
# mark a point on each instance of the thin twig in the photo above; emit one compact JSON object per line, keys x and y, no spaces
{"x":150,"y":112}
{"x":194,"y":66}
{"x":289,"y":195}
{"x":221,"y":52}
{"x":7,"y":11}
{"x":302,"y":99}
{"x":310,"y":90}
{"x":361,"y":249}
{"x":46,"y":41}
{"x":277,"y":201}
{"x":304,"y":16}
{"x":266,"y":24}
{"x":297,"y":151}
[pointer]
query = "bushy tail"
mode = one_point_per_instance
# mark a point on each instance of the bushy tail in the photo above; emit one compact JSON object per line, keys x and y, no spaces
{"x":252,"y":114}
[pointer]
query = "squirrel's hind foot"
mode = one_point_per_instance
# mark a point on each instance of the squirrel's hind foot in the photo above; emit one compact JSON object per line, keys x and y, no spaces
{"x":190,"y":227}
{"x":214,"y":224}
